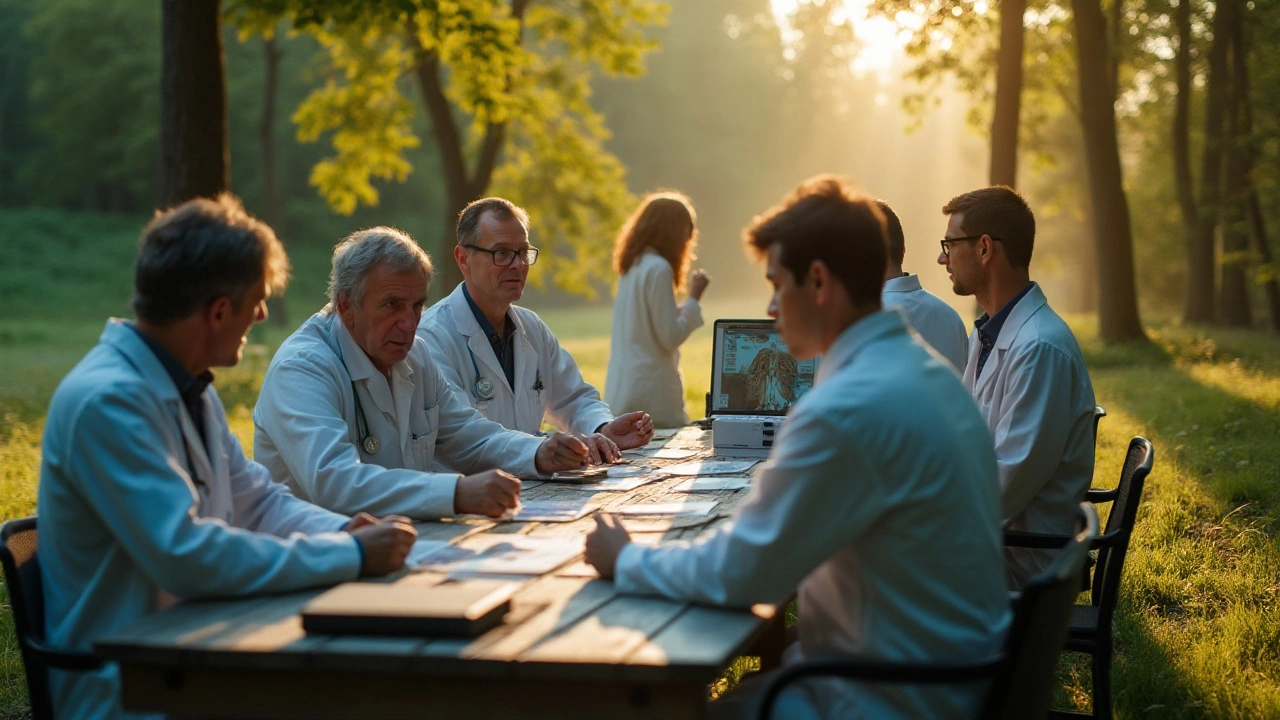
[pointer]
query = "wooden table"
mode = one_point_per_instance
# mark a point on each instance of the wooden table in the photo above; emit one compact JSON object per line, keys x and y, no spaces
{"x":570,"y":647}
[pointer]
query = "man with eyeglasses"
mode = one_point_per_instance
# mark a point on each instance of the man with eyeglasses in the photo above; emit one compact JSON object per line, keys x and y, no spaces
{"x":1025,"y":370}
{"x":502,"y":357}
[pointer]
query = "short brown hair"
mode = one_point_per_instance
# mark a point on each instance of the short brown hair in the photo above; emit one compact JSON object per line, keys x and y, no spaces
{"x":826,"y":219}
{"x":998,"y":211}
{"x":895,"y":239}
{"x":666,"y":222}
{"x":502,"y":209}
{"x":199,"y":251}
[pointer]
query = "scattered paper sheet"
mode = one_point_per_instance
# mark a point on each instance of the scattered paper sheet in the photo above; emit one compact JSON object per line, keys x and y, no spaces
{"x":701,"y":507}
{"x":549,"y":511}
{"x":422,"y":548}
{"x":673,"y":454}
{"x":710,"y":467}
{"x":627,"y":471}
{"x":622,"y":484}
{"x":583,"y":475}
{"x":504,"y":555}
{"x":655,"y":443}
{"x":709,"y":484}
{"x":665,"y":432}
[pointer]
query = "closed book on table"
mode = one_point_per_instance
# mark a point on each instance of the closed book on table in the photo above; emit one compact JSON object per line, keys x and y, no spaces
{"x":457,"y":609}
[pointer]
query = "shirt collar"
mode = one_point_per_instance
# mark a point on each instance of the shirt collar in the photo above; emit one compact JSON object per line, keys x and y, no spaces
{"x":905,"y":283}
{"x":989,"y":327}
{"x":188,"y":385}
{"x":489,"y":331}
{"x":857,"y":336}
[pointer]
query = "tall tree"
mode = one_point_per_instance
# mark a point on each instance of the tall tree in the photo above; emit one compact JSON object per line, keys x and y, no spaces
{"x":1183,"y":181}
{"x":1005,"y":117}
{"x":1234,"y":298}
{"x":1118,"y":319}
{"x":194,"y":160}
{"x":1201,"y":261}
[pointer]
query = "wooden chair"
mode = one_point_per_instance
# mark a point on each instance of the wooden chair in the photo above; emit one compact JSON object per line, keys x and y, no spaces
{"x":1021,"y":676}
{"x":18,"y":545}
{"x":1090,"y":630}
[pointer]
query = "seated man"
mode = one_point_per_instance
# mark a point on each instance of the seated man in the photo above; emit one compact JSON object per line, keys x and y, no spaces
{"x":502,"y":357}
{"x":879,"y":499}
{"x":1025,"y":370}
{"x":937,"y":323}
{"x":145,"y":496}
{"x":353,"y":411}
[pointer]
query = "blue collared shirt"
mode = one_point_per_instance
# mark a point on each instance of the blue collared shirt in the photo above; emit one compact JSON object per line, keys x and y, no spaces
{"x":989,"y":328}
{"x":190,"y":387}
{"x":504,"y":346}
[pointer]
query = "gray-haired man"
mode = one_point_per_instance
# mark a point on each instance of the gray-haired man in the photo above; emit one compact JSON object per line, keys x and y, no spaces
{"x":353,"y":411}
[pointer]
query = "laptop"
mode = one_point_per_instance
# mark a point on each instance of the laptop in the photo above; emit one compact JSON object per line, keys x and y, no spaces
{"x":751,"y":371}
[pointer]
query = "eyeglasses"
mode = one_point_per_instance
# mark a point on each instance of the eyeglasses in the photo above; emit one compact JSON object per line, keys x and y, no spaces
{"x":504,"y":258}
{"x":946,"y":242}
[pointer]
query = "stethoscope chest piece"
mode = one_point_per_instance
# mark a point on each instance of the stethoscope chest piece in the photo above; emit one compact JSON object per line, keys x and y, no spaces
{"x":371,"y":445}
{"x":484,"y":388}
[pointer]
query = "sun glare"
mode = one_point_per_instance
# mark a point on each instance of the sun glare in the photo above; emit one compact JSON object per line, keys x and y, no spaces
{"x":882,"y":39}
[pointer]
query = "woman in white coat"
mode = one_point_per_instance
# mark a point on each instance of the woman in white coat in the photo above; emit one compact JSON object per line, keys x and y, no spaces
{"x":652,"y":254}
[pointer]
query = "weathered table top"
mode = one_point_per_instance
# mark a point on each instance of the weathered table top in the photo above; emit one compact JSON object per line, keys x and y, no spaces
{"x":569,"y":647}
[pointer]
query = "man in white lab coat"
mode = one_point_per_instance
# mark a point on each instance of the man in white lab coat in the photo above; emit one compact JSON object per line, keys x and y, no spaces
{"x":1025,"y":370}
{"x":937,"y":323}
{"x":353,"y":412}
{"x":145,"y":496}
{"x":503,"y":358}
{"x":879,"y":499}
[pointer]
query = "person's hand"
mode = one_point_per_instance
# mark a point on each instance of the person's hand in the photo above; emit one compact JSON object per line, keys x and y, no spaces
{"x":633,"y":430}
{"x":386,"y":544}
{"x":561,"y":451}
{"x":490,"y":493}
{"x":364,"y":519}
{"x":600,"y":449}
{"x":605,"y":543}
{"x":698,"y":283}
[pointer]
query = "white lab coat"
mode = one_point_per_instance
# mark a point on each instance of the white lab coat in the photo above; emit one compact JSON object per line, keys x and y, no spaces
{"x":124,"y":525}
{"x":879,"y":501}
{"x":1038,"y":402}
{"x":644,"y":351}
{"x":307,"y":433}
{"x":937,"y":323}
{"x":565,"y":400}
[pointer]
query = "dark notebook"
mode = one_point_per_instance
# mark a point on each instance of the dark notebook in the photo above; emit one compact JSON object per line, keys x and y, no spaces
{"x":458,"y":609}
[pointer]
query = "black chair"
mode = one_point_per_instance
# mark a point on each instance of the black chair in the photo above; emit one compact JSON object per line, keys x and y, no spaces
{"x":1021,"y":676}
{"x":1099,"y":412}
{"x":18,"y":545}
{"x":1090,"y":630}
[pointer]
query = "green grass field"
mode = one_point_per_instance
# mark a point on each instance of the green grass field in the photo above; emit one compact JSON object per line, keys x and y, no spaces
{"x":1198,"y":630}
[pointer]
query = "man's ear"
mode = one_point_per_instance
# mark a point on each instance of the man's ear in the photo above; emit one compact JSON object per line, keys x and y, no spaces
{"x":986,"y":250}
{"x":819,"y":277}
{"x":460,"y":256}
{"x":342,"y":303}
{"x":217,"y":311}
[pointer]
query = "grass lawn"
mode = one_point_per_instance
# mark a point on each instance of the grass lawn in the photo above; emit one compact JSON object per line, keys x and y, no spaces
{"x":1198,"y":629}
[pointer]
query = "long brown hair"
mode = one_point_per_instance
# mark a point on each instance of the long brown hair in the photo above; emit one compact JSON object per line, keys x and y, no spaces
{"x":666,"y":222}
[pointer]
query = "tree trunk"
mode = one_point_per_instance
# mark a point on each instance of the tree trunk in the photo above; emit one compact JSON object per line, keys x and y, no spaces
{"x":1263,"y":246}
{"x":1200,"y":254}
{"x":267,"y":139}
{"x":1118,"y":303}
{"x":1234,"y":298}
{"x":194,"y":160}
{"x":1182,"y":123}
{"x":1004,"y":121}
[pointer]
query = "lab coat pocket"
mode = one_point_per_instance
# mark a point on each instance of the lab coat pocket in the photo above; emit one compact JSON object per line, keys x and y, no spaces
{"x":425,"y":428}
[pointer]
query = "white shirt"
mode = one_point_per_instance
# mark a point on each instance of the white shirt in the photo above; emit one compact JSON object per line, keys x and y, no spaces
{"x":548,"y":382}
{"x":1038,"y":403}
{"x":644,"y":354}
{"x":124,"y":524}
{"x":306,"y":429}
{"x":937,"y":322}
{"x":879,"y":501}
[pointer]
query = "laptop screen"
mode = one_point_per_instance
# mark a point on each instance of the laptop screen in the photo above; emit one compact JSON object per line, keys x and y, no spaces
{"x":751,"y":371}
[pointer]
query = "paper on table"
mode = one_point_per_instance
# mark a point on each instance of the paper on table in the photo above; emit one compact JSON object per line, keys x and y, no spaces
{"x":673,"y":454}
{"x":549,"y":511}
{"x":504,"y":555}
{"x":621,"y":484}
{"x":701,"y":507}
{"x":708,"y":484}
{"x":620,"y":471}
{"x":423,"y":547}
{"x":710,"y":467}
{"x":665,"y":432}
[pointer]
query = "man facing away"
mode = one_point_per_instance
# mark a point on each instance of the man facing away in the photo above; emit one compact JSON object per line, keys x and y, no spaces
{"x":1025,"y":370}
{"x":937,"y":323}
{"x":502,"y":357}
{"x":879,"y":499}
{"x":145,"y":496}
{"x":353,"y":412}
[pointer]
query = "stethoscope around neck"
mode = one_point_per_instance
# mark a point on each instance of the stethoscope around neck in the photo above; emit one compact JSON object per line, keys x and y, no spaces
{"x":368,"y":441}
{"x":482,"y":388}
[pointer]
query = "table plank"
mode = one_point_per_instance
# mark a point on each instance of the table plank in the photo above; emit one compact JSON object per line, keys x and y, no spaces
{"x":604,"y":638}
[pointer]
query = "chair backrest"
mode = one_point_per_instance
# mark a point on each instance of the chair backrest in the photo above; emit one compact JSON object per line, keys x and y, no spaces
{"x":1041,"y":614}
{"x":1099,"y":412}
{"x":18,"y":546}
{"x":1124,"y":514}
